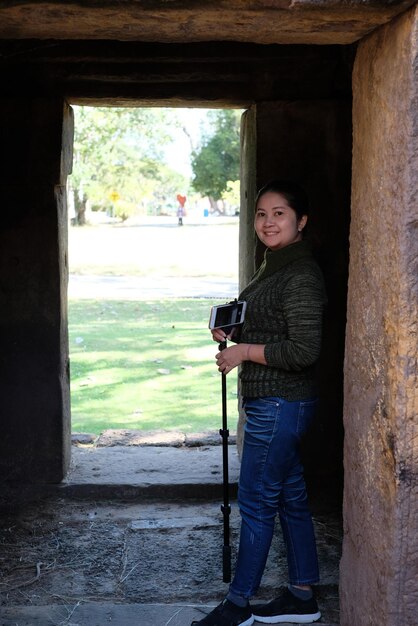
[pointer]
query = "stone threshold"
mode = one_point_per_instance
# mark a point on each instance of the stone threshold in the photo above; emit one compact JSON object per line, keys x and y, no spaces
{"x":128,"y":437}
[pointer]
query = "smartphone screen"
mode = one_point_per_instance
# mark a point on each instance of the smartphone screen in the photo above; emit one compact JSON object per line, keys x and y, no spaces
{"x":225,"y":315}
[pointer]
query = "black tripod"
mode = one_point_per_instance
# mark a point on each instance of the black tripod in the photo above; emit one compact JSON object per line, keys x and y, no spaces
{"x":225,"y":507}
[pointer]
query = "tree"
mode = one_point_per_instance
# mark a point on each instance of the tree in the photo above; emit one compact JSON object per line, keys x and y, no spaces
{"x":118,"y":158}
{"x":216,"y":163}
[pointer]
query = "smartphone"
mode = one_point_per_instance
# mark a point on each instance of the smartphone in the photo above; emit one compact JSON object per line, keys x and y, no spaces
{"x":227,"y":315}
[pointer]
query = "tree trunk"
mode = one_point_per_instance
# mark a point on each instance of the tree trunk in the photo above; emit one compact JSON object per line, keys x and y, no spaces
{"x":80,"y":206}
{"x":214,"y":206}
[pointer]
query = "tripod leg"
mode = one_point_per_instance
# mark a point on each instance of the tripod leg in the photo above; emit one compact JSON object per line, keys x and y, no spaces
{"x":226,"y":507}
{"x":226,"y":564}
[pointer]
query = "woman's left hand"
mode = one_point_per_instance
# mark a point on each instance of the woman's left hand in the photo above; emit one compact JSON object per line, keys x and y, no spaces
{"x":229,"y":358}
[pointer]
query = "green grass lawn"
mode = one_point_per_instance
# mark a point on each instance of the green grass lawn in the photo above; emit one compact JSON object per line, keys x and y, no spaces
{"x":145,"y":365}
{"x":141,"y":364}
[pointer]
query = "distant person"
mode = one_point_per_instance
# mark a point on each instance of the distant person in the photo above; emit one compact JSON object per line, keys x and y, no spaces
{"x":181,"y":212}
{"x":278,"y":347}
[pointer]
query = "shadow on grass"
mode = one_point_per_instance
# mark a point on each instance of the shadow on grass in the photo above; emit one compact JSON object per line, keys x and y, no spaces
{"x":146,"y":365}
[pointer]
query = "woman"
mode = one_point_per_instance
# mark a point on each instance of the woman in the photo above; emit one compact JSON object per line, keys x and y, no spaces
{"x":277,"y":347}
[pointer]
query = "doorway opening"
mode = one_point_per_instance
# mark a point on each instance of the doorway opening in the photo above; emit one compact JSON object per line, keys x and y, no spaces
{"x":324,"y":453}
{"x":149,"y":206}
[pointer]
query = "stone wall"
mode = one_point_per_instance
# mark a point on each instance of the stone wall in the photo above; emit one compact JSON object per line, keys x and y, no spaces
{"x":378,"y":570}
{"x":261,"y":21}
{"x":310,"y":142}
{"x":34,"y":368}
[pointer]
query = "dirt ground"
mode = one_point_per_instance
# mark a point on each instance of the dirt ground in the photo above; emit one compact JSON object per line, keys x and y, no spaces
{"x":134,"y":526}
{"x":68,"y":552}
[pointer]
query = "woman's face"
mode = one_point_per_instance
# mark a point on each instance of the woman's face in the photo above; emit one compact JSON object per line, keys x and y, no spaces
{"x":276,"y":223}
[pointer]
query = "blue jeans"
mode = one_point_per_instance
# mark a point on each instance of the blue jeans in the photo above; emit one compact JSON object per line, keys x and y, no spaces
{"x":271,"y":482}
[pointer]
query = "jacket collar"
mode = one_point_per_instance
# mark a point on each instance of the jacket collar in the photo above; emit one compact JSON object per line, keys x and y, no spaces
{"x":275,"y":260}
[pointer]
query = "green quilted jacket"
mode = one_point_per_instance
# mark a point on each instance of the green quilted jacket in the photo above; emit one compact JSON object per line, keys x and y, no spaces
{"x":285,"y":303}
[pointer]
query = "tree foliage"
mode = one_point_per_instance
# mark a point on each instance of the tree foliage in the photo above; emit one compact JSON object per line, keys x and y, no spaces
{"x":118,"y":158}
{"x":216,"y":162}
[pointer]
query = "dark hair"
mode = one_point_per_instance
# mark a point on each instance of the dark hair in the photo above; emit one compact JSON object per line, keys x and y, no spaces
{"x":294,"y":194}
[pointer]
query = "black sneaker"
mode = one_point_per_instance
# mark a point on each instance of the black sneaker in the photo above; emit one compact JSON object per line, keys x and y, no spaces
{"x":227,"y":614}
{"x":287,"y":608}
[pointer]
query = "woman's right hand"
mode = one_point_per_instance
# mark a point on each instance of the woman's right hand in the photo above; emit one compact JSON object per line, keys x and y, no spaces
{"x":218,"y":335}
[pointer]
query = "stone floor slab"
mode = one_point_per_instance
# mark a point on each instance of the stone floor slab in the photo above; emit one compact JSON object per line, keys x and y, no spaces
{"x":146,"y":465}
{"x":101,"y":613}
